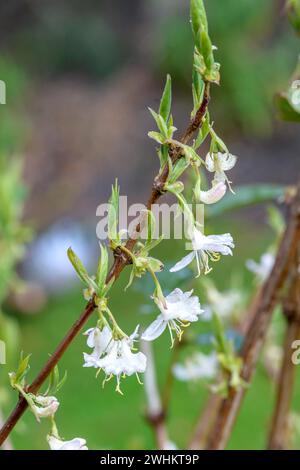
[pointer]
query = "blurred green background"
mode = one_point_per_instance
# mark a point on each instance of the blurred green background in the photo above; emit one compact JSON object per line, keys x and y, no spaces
{"x":79,"y":76}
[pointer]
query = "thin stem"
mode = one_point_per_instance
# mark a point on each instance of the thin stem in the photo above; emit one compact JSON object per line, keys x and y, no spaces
{"x":154,"y":413}
{"x":119,"y":264}
{"x":205,"y":422}
{"x":118,"y":331}
{"x":256,"y":334}
{"x":278,"y":438}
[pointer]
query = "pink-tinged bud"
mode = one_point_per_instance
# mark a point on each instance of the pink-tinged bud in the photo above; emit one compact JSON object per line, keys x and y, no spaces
{"x":214,"y":194}
{"x":44,"y":407}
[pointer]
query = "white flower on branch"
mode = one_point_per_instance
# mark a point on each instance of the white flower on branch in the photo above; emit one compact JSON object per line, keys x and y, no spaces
{"x":197,"y":367}
{"x":263,"y":268}
{"x":56,"y":443}
{"x":121,"y":361}
{"x":99,"y":340}
{"x":43,"y":407}
{"x":214,"y":194}
{"x":227,"y":304}
{"x":206,"y":248}
{"x":179,"y":310}
{"x":218,"y":163}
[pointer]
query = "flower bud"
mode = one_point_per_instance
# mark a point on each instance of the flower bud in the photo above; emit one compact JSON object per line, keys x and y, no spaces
{"x":44,"y":407}
{"x":214,"y":194}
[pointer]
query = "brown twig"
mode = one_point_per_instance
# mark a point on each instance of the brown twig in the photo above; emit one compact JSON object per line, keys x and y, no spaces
{"x":230,"y":406}
{"x":205,"y":422}
{"x":208,"y":413}
{"x":278,"y":438}
{"x":119,"y":264}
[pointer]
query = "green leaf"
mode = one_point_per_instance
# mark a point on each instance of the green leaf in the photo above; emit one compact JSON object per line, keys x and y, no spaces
{"x":163,"y":154}
{"x":109,"y":285}
{"x":198,"y":16}
{"x":102,"y":269}
{"x":156,"y":136}
{"x":113,"y":212}
{"x":203,"y":133}
{"x":55,"y":384}
{"x":151,"y":245}
{"x":160,"y":122}
{"x":150,"y":226}
{"x":177,"y":170}
{"x":206,"y":49}
{"x":245,"y":196}
{"x":78,"y":266}
{"x":197,"y":90}
{"x":166,"y":100}
{"x":17,"y":377}
{"x":61,"y":382}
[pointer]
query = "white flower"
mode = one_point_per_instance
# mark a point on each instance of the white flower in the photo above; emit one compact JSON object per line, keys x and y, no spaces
{"x":205,"y":248}
{"x":218,"y":163}
{"x":199,"y":366}
{"x":100,"y":341}
{"x":214,"y":194}
{"x":121,"y":361}
{"x":58,"y":444}
{"x":227,"y":304}
{"x":263,"y":268}
{"x":180,"y":308}
{"x":43,"y":407}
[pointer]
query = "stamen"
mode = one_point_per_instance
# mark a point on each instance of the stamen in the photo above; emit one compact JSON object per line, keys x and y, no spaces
{"x":118,"y":389}
{"x":138,"y":379}
{"x":171,"y":335}
{"x":198,"y":264}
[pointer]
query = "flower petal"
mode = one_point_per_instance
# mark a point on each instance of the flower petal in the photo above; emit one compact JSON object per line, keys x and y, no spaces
{"x":183,"y":263}
{"x":228,"y":161}
{"x":155,"y":329}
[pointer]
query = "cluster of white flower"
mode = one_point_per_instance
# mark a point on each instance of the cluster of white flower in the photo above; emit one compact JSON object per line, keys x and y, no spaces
{"x":112,"y":350}
{"x":114,"y":356}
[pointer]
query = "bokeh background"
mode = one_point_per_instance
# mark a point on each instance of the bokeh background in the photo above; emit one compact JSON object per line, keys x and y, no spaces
{"x":79,"y":78}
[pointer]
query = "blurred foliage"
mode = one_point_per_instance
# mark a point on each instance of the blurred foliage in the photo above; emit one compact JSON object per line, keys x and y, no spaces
{"x":62,"y":41}
{"x":293,"y":10}
{"x":12,"y":238}
{"x":12,"y":129}
{"x":255,"y":47}
{"x":13,"y":234}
